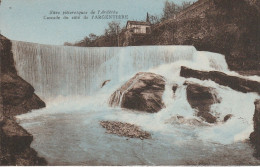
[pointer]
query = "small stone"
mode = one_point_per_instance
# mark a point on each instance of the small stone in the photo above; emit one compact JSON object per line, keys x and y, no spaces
{"x":174,"y":88}
{"x":227,"y":117}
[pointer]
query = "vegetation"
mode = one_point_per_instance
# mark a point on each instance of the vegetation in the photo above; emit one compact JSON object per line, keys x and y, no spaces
{"x":171,"y":9}
{"x":114,"y":33}
{"x":230,"y":28}
{"x":109,"y":38}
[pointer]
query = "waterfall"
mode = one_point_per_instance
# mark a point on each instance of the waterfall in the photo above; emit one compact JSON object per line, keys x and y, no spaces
{"x":76,"y":84}
{"x":66,"y":70}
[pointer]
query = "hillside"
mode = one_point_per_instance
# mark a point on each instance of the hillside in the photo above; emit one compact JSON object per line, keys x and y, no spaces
{"x":229,"y":27}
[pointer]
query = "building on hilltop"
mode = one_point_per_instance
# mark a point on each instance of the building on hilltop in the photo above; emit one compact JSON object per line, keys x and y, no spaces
{"x":138,"y":27}
{"x":136,"y":30}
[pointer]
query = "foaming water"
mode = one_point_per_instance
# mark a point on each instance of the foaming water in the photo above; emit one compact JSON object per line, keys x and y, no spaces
{"x":67,"y":131}
{"x":63,"y":70}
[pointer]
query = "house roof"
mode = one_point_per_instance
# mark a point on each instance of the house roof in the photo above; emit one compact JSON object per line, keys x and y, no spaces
{"x":138,"y":23}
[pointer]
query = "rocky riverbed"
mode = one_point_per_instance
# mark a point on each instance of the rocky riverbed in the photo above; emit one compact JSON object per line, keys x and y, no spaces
{"x":125,"y":129}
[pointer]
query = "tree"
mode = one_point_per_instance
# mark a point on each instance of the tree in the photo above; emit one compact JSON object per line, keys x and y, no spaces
{"x":170,"y":9}
{"x":92,"y":37}
{"x":113,"y":28}
{"x":185,"y":5}
{"x":154,"y":19}
{"x":87,"y":41}
{"x":67,"y":44}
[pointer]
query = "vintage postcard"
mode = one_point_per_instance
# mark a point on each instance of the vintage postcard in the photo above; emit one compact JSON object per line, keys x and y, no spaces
{"x":129,"y":82}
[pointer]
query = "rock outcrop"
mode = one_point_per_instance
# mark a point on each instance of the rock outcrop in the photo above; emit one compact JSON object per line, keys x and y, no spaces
{"x":236,"y":83}
{"x":201,"y":98}
{"x":143,"y":92}
{"x":17,"y":97}
{"x":7,"y":60}
{"x":255,"y":136}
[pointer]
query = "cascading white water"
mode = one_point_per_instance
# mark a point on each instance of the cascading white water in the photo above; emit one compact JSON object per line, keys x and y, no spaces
{"x":59,"y":70}
{"x":69,"y":79}
{"x":64,"y":70}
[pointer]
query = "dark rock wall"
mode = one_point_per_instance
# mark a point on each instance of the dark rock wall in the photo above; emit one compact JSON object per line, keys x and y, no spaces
{"x":236,"y":83}
{"x":6,"y":61}
{"x":17,"y":97}
{"x":255,"y":136}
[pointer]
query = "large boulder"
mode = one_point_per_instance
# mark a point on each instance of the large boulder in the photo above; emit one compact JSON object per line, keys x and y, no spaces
{"x":255,"y":136}
{"x":201,"y":98}
{"x":236,"y":83}
{"x":143,"y":92}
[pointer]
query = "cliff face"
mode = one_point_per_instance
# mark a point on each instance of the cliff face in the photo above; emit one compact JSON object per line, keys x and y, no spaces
{"x":17,"y":97}
{"x":229,"y":27}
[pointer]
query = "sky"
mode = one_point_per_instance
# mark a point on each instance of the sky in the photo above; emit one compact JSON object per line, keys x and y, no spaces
{"x":23,"y":20}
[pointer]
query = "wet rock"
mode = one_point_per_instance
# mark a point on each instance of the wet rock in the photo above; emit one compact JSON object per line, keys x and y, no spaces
{"x":201,"y":98}
{"x":227,"y":117}
{"x":104,"y":83}
{"x":236,"y":83}
{"x":125,"y":129}
{"x":182,"y":120}
{"x":255,"y":136}
{"x":174,"y":87}
{"x":143,"y":92}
